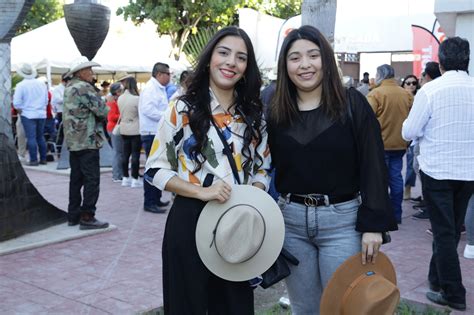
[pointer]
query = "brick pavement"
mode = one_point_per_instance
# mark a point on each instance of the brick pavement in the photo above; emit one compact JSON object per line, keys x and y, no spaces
{"x":119,"y":272}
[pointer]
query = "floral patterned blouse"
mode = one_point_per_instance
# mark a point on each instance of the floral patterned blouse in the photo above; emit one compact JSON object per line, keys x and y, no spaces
{"x":170,"y":152}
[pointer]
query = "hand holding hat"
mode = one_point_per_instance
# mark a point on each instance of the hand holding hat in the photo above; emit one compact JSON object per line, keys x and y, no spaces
{"x":241,"y":238}
{"x":354,"y":289}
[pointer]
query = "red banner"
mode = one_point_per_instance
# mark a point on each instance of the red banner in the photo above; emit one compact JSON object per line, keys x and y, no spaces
{"x":425,"y":48}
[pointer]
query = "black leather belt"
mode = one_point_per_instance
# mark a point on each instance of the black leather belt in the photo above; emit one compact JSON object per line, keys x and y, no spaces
{"x":316,"y":200}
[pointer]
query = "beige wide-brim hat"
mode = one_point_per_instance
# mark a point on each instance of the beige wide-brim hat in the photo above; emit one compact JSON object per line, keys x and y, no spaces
{"x":81,"y":63}
{"x":369,"y":289}
{"x":122,"y":75}
{"x":241,"y":238}
{"x":27,"y":71}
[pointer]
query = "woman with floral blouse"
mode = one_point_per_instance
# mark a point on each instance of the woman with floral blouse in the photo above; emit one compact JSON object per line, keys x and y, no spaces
{"x":187,"y":158}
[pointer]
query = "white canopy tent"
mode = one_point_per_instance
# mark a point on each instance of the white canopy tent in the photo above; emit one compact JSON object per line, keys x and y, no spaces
{"x":127,"y":47}
{"x":363,"y":26}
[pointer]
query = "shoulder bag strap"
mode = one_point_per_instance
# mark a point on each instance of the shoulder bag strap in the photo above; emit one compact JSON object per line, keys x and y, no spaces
{"x":228,"y":152}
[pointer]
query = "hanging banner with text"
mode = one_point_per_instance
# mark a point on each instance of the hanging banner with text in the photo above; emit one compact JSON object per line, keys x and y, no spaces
{"x":425,"y":48}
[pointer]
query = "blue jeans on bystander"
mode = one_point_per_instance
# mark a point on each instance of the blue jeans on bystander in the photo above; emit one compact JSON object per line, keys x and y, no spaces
{"x":410,"y":177}
{"x":34,"y":129}
{"x":394,"y":161}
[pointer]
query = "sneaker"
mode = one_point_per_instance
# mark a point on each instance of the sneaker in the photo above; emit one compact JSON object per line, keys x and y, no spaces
{"x":417,"y":199}
{"x":43,"y":162}
{"x":136,"y":183}
{"x":421,"y":215}
{"x":92,"y":224}
{"x":155,"y":209}
{"x":32,"y":163}
{"x":126,"y":181}
{"x":419,"y":205}
{"x":284,"y":302}
{"x":438,"y":298}
{"x":163,"y":203}
{"x":72,"y":222}
{"x":469,"y":251}
{"x":116,"y":180}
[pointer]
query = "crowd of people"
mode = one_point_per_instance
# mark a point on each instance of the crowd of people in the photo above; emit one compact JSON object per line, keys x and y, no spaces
{"x":331,"y":156}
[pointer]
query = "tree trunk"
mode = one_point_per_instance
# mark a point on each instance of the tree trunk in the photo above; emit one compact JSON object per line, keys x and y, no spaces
{"x":322,"y":15}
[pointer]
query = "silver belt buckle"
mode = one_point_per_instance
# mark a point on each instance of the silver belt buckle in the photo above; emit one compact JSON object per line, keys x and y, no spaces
{"x":310,"y":201}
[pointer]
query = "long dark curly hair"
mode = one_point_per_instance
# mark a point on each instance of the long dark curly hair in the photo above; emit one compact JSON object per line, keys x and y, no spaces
{"x":247,"y":101}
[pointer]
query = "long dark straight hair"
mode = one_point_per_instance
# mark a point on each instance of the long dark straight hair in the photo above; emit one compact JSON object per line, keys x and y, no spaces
{"x":247,"y":101}
{"x":284,"y":107}
{"x":130,"y":84}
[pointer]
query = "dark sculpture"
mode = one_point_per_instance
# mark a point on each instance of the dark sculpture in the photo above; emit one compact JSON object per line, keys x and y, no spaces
{"x":11,"y":17}
{"x":22,"y":208}
{"x":88,"y":23}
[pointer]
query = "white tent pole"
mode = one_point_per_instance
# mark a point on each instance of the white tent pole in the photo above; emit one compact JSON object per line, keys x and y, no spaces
{"x":48,"y":73}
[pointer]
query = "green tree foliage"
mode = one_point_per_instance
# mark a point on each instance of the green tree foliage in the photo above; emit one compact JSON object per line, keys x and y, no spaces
{"x":283,"y":9}
{"x":179,"y":19}
{"x":42,"y":12}
{"x":196,"y":42}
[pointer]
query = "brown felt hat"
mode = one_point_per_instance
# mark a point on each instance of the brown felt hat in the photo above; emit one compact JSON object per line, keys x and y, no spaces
{"x":356,"y":289}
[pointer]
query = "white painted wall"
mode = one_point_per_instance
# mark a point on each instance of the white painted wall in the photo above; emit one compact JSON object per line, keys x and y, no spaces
{"x":457,"y":19}
{"x":465,"y":29}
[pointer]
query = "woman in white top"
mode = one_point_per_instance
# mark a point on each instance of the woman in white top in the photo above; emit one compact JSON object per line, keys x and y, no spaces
{"x":187,"y":158}
{"x":129,"y":129}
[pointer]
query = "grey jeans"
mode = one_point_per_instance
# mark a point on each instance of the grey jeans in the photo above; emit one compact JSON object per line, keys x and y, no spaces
{"x":117,"y":144}
{"x":321,"y":238}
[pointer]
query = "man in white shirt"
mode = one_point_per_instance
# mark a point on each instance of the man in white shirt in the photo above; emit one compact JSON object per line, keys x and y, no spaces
{"x":152,"y":104}
{"x":30,"y":101}
{"x":57,"y":101}
{"x":442,"y":119}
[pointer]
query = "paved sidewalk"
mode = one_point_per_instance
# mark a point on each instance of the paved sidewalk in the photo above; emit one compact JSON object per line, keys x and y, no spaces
{"x":119,"y":272}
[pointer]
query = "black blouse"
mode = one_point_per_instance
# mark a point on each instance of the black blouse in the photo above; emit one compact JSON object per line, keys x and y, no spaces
{"x":319,"y":155}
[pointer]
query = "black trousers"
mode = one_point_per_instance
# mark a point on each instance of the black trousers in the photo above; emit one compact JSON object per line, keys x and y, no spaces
{"x":188,"y":286}
{"x":132,"y":145}
{"x":447,"y":202}
{"x":85,"y":173}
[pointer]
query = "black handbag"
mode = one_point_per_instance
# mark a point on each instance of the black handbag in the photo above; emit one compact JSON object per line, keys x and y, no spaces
{"x":279,"y":270}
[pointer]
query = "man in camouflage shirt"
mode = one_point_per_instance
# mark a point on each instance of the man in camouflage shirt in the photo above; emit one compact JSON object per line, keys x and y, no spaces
{"x":83,"y":116}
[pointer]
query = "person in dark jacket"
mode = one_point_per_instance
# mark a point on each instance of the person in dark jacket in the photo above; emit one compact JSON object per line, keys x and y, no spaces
{"x":330,"y":167}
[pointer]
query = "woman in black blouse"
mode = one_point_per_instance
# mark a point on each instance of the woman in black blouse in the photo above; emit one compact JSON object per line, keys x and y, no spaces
{"x":330,"y":167}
